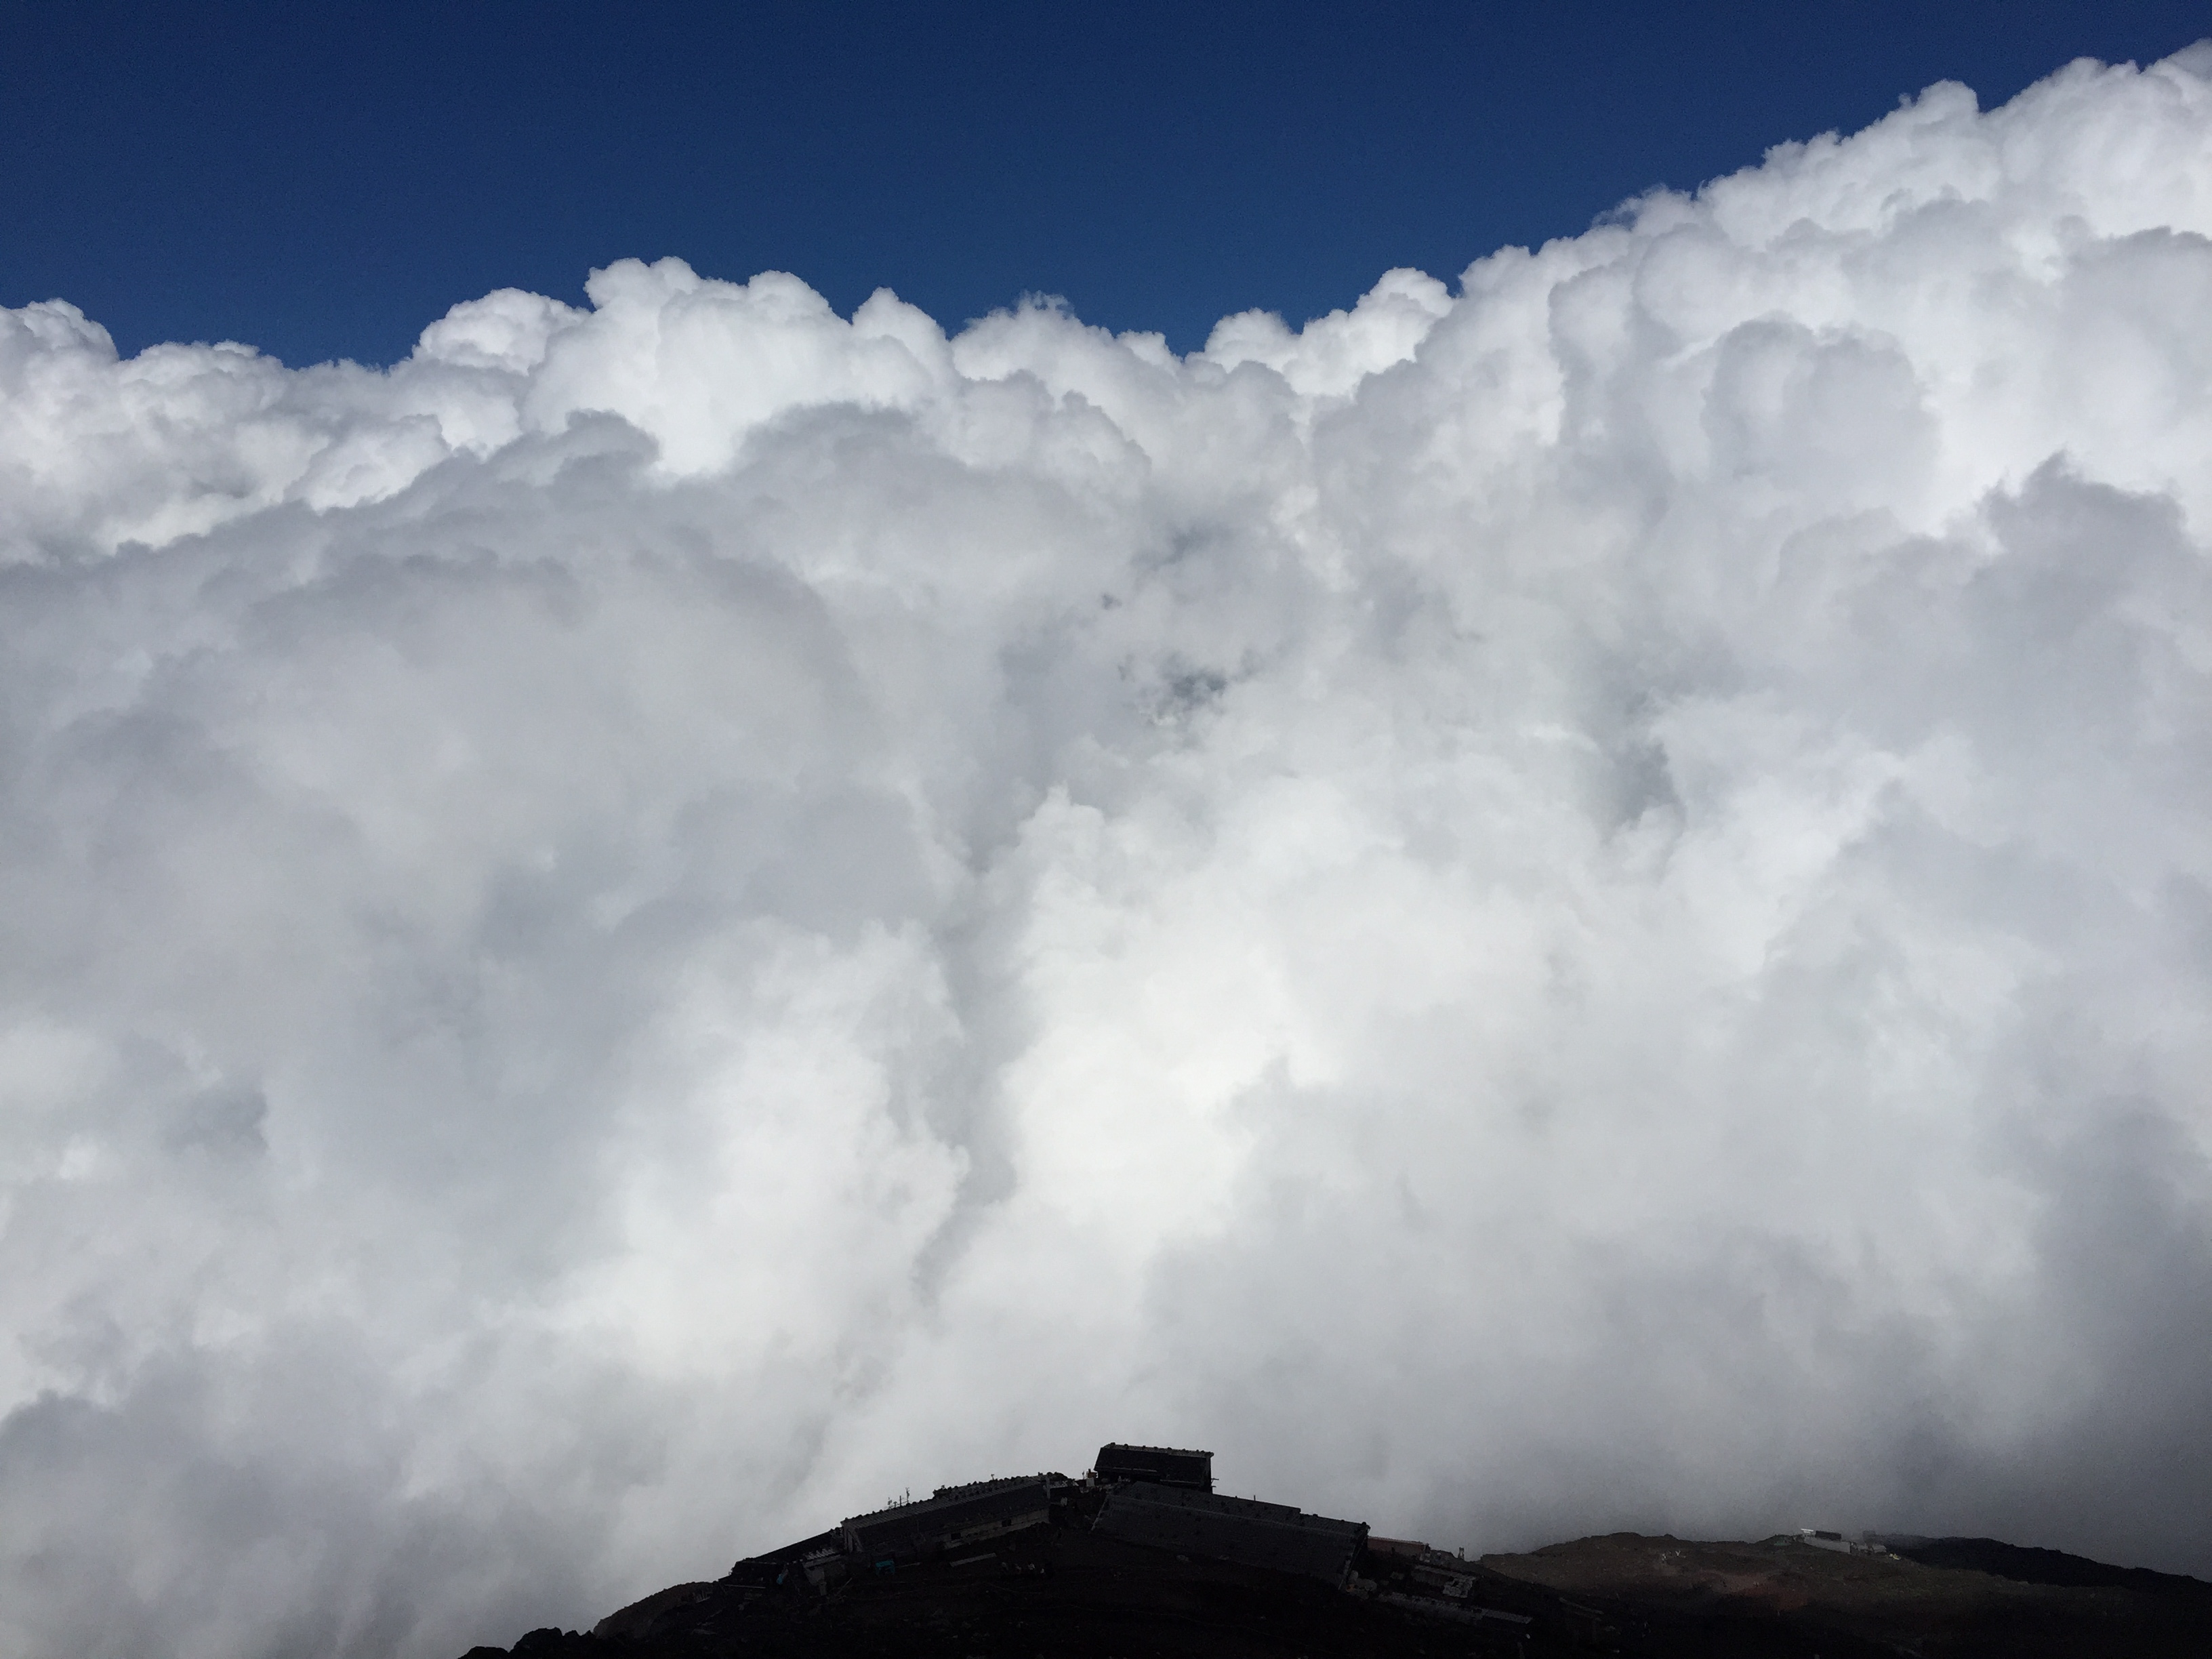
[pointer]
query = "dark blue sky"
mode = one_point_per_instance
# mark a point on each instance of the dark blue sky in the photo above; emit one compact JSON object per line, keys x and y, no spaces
{"x":324,"y":181}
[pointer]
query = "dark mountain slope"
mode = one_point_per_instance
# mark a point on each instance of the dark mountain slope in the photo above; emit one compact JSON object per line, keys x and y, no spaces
{"x":1064,"y":1591}
{"x":2028,"y":1565}
{"x":1798,"y":1599}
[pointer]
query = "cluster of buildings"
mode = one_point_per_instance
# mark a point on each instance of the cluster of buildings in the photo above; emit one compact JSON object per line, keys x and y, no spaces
{"x":1160,"y":1497}
{"x":1192,"y":1520}
{"x":1867,"y":1543}
{"x":951,"y":1520}
{"x":1441,"y":1585}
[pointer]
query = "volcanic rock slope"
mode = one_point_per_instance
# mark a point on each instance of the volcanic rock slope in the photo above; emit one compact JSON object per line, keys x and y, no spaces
{"x":1064,"y":1590}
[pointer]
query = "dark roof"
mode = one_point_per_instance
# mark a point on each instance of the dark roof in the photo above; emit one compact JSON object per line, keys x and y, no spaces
{"x":764,"y":1568}
{"x":1169,"y":1465}
{"x":906,"y":1529}
{"x":1240,"y":1529}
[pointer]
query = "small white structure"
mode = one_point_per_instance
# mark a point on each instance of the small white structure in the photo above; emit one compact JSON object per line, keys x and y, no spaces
{"x":1835,"y":1540}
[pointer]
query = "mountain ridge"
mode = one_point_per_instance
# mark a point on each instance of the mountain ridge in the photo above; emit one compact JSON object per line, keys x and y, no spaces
{"x":1069,"y":1582}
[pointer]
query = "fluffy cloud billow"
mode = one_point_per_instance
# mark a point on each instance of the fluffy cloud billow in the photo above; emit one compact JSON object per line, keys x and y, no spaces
{"x":1574,"y":901}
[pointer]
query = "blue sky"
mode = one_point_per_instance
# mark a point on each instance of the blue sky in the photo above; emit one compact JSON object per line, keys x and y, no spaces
{"x":323,"y":182}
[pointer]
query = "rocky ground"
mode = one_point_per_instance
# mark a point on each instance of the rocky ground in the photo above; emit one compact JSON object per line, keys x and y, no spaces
{"x":1782,"y":1597}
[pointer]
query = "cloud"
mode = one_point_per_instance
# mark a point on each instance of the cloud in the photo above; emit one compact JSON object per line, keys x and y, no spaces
{"x":1578,"y":903}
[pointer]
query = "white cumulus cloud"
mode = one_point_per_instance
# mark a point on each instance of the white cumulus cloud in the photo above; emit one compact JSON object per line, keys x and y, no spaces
{"x":1578,"y":901}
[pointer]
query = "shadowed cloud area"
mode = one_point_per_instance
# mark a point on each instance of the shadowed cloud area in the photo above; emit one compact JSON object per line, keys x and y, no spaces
{"x":1572,"y":902}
